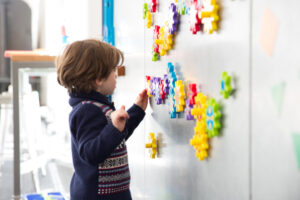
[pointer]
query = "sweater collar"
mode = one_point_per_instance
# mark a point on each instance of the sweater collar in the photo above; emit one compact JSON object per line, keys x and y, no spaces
{"x":76,"y":98}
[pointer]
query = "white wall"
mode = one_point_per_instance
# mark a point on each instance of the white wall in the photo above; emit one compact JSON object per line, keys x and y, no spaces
{"x":81,"y":18}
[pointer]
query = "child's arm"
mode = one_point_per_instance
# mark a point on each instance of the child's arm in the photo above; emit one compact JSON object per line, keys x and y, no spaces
{"x":118,"y":118}
{"x":137,"y":112}
{"x":96,"y":139}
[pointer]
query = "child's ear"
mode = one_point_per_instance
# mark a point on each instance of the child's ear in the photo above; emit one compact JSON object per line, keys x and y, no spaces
{"x":98,"y":83}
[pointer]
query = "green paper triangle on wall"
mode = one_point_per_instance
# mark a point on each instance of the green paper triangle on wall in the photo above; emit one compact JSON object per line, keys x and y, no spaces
{"x":277,"y":92}
{"x":296,"y":141}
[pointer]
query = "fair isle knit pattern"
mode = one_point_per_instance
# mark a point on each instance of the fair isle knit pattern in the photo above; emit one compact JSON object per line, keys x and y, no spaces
{"x":114,"y":175}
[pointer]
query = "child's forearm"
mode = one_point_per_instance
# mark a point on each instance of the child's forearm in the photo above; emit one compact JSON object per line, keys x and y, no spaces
{"x":136,"y":114}
{"x":95,"y":138}
{"x":95,"y":150}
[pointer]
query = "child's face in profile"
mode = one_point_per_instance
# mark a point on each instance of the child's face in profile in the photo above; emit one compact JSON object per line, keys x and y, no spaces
{"x":107,"y":86}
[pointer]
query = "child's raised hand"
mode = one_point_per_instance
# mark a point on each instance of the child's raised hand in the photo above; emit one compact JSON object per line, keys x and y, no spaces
{"x":118,"y":118}
{"x":142,"y":100}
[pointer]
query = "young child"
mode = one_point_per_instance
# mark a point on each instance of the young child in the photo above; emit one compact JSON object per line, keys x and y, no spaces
{"x":88,"y":69}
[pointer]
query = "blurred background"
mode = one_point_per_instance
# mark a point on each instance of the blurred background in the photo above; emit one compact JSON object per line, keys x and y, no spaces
{"x":256,"y":155}
{"x":46,"y":25}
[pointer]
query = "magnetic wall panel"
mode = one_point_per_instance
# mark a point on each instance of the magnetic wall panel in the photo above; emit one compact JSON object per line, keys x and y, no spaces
{"x":275,"y":100}
{"x":201,"y":58}
{"x":255,"y":157}
{"x":129,"y":37}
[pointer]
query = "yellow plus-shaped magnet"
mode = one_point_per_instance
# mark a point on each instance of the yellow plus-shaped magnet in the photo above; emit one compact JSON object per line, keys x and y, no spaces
{"x":152,"y":145}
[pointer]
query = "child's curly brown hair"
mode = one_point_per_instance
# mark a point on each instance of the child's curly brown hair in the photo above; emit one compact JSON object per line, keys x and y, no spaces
{"x":83,"y":62}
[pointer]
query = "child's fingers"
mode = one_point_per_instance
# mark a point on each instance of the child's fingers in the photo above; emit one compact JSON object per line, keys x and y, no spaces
{"x":122,"y":107}
{"x":143,"y":93}
{"x":123,"y":115}
{"x":126,"y":115}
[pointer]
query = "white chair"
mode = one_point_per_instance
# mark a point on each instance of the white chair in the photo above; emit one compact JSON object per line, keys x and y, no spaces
{"x":5,"y":120}
{"x":32,"y":156}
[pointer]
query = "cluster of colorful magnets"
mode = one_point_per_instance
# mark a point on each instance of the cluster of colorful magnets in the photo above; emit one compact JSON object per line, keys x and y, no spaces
{"x":202,"y":16}
{"x":150,"y":8}
{"x":163,"y":36}
{"x":196,"y":105}
{"x":207,"y":114}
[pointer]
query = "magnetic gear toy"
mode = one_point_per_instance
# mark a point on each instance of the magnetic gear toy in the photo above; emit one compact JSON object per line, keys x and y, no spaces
{"x":152,"y":145}
{"x":157,"y":82}
{"x":209,"y":15}
{"x":145,"y":10}
{"x":166,"y":84}
{"x":199,"y":140}
{"x":168,"y":41}
{"x":148,"y":85}
{"x":160,"y":41}
{"x":188,"y":109}
{"x":155,"y":51}
{"x":153,"y":6}
{"x":172,"y":80}
{"x":148,"y":19}
{"x":198,"y":111}
{"x":179,"y":96}
{"x":191,"y":94}
{"x":162,"y":93}
{"x":181,"y":8}
{"x":213,"y":117}
{"x":164,"y":41}
{"x":153,"y":88}
{"x":225,"y":85}
{"x":155,"y":55}
{"x":172,"y":108}
{"x":173,"y":19}
{"x":194,"y":19}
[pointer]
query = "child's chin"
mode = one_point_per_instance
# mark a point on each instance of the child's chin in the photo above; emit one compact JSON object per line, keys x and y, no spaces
{"x":111,"y":93}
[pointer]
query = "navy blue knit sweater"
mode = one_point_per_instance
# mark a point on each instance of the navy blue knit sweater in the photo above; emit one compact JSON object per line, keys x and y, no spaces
{"x":94,"y":139}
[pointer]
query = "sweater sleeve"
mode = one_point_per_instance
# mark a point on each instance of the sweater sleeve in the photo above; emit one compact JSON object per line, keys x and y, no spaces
{"x":136,"y":115}
{"x":96,"y":139}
